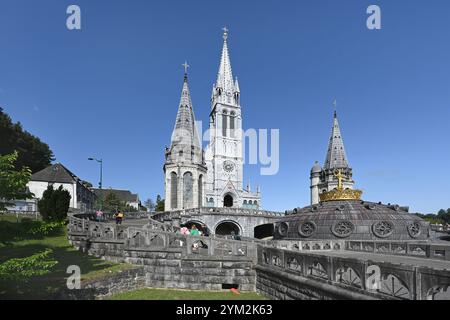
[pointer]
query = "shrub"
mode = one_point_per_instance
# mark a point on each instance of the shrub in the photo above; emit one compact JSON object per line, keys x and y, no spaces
{"x":22,"y":269}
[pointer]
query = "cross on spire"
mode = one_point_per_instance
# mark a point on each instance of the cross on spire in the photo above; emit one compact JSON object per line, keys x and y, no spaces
{"x":225,"y":33}
{"x":335,"y":106}
{"x":186,"y":66}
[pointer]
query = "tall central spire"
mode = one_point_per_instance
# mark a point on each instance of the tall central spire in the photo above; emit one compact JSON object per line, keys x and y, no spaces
{"x":336,"y":156}
{"x":225,"y":75}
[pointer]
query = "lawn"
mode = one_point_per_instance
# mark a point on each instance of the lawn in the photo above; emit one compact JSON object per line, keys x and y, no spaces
{"x":13,"y":244}
{"x":168,"y":294}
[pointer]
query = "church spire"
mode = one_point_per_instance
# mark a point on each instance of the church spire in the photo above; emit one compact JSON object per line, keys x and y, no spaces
{"x":225,"y":76}
{"x":185,"y":132}
{"x":336,"y":156}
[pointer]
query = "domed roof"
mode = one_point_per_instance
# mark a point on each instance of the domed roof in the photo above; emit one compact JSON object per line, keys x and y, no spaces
{"x":351,"y":220}
{"x":316,"y":168}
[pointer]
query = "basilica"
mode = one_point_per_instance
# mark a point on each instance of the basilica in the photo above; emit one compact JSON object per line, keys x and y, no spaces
{"x":195,"y":177}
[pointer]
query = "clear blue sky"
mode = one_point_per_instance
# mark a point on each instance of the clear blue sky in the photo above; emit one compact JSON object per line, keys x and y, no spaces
{"x":112,"y":89}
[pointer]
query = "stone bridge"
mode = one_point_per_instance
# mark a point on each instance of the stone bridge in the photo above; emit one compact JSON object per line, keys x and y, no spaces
{"x":222,"y":220}
{"x":324,"y":269}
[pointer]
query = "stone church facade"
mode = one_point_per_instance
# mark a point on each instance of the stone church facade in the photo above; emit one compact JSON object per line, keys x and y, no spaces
{"x":214,"y":177}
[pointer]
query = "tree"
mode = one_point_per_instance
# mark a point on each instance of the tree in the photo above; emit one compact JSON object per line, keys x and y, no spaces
{"x":159,"y":203}
{"x":32,"y":152}
{"x":13,"y":183}
{"x":112,"y":203}
{"x":150,"y":205}
{"x":444,"y":215}
{"x":54,"y":204}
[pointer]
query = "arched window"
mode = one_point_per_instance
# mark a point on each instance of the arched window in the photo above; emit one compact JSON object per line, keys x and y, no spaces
{"x":188,"y":192}
{"x":200,"y":191}
{"x":173,"y":190}
{"x":250,"y":202}
{"x":232,"y":119}
{"x":245,"y":202}
{"x":224,"y":124}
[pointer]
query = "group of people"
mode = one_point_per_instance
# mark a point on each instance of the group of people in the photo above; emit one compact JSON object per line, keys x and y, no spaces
{"x":118,"y":216}
{"x":194,"y":231}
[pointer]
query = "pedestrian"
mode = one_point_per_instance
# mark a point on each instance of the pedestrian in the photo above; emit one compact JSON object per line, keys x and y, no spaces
{"x":120,"y":215}
{"x":184,"y":231}
{"x":99,"y":214}
{"x":194,"y":231}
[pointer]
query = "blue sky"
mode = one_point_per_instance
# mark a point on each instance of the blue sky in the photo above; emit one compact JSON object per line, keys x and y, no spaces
{"x":112,"y":89}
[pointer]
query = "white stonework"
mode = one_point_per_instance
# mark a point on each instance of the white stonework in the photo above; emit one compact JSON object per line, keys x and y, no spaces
{"x":224,"y":158}
{"x":214,"y":178}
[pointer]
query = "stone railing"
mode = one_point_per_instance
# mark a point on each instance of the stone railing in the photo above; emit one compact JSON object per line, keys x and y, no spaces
{"x":157,"y":235}
{"x":286,"y":274}
{"x":430,"y":250}
{"x":218,"y":211}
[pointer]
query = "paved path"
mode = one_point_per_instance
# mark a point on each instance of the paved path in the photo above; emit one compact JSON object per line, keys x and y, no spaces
{"x":402,"y":260}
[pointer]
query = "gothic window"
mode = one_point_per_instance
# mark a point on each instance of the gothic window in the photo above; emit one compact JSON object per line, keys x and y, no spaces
{"x":200,"y":190}
{"x":173,"y":190}
{"x":224,"y":124}
{"x":188,"y":192}
{"x":232,"y":119}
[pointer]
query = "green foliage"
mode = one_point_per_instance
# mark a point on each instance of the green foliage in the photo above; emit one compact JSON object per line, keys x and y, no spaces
{"x":46,"y":229}
{"x":112,"y":203}
{"x":159,"y":203}
{"x":54,"y":204}
{"x":32,"y":152}
{"x":13,"y":183}
{"x":444,"y":215}
{"x":21,"y":269}
{"x":28,"y":229}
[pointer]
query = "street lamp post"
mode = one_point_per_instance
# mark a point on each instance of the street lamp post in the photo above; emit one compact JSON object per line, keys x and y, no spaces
{"x":101,"y":179}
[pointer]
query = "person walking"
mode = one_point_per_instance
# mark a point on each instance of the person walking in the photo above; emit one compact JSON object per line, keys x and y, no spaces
{"x":194,"y":231}
{"x":120,"y":215}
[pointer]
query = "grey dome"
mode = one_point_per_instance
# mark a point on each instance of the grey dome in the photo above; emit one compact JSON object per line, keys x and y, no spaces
{"x":351,"y":220}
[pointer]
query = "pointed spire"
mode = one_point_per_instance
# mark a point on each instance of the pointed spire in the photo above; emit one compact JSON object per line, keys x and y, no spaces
{"x":236,"y":86}
{"x":336,"y":156}
{"x":225,"y":75}
{"x":185,"y":131}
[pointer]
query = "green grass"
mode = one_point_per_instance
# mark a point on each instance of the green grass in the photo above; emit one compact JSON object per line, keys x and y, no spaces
{"x":45,"y":287}
{"x":169,"y":294}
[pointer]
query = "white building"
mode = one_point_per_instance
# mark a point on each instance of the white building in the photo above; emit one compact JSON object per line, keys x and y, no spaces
{"x":57,"y":175}
{"x":214,"y":178}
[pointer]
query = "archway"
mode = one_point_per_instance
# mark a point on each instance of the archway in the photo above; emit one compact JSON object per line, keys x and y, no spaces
{"x":264,"y":231}
{"x":228,"y":201}
{"x":227,"y":228}
{"x":199,"y":225}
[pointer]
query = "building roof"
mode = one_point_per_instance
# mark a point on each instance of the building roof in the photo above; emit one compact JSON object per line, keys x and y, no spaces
{"x":336,"y":156}
{"x":55,"y":173}
{"x":352,"y":220}
{"x":122,"y":195}
{"x":225,"y":74}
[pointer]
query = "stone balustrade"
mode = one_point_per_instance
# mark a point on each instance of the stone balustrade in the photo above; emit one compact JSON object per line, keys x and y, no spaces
{"x":287,"y":274}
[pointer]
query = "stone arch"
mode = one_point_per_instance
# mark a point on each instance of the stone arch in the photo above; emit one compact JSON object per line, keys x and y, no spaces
{"x":393,"y":286}
{"x":188,"y":190}
{"x":199,"y":224}
{"x":441,"y":292}
{"x":173,"y":190}
{"x":225,"y":227}
{"x":348,"y":276}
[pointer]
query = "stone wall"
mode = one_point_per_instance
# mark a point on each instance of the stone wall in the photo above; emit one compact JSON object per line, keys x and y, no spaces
{"x":107,"y":286}
{"x":286,"y":274}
